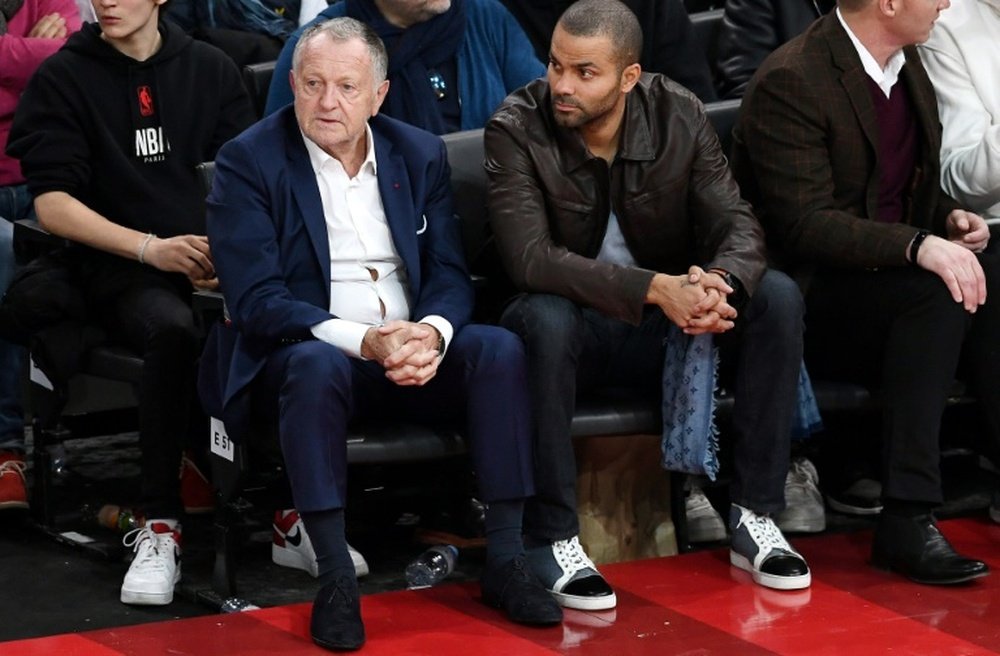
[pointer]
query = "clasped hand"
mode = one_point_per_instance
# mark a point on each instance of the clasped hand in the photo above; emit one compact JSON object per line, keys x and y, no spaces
{"x":697,"y":302}
{"x":187,"y":254}
{"x":954,"y":260}
{"x":406,"y":350}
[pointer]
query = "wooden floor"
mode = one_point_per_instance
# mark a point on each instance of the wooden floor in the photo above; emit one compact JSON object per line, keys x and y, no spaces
{"x":693,"y":604}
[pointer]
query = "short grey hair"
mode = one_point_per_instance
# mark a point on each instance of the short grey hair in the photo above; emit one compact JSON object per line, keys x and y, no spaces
{"x":344,"y":29}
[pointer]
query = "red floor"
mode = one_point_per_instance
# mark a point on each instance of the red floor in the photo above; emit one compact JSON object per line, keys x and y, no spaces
{"x":693,"y":605}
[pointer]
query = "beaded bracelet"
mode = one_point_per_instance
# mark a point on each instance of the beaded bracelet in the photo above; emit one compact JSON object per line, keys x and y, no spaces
{"x":142,"y":249}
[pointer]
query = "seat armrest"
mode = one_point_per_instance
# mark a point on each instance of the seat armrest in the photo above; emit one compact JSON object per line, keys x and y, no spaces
{"x":32,"y":240}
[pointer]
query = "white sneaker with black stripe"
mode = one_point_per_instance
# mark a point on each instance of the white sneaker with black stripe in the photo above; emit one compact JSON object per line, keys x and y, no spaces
{"x":570,"y":576}
{"x":156,"y":566}
{"x":291,"y":546}
{"x":759,"y":548}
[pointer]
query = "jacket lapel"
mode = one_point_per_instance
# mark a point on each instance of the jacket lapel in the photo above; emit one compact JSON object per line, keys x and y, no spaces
{"x":302,"y":180}
{"x":394,"y":187}
{"x":855,"y":82}
{"x":853,"y":77}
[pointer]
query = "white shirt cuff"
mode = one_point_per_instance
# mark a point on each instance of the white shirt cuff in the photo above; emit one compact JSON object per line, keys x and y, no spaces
{"x":345,"y":335}
{"x":443,"y":326}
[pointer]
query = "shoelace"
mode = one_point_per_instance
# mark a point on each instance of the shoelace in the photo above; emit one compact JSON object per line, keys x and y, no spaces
{"x":12,"y":467}
{"x":340,"y":588}
{"x":146,"y":545}
{"x":764,"y":531}
{"x":571,"y":556}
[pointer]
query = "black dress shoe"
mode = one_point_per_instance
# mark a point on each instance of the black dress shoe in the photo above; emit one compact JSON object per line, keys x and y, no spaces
{"x":515,"y":590}
{"x":336,"y":616}
{"x":915,"y":548}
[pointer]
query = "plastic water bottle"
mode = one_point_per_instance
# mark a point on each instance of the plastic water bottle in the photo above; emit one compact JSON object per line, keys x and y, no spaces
{"x":113,"y":517}
{"x":431,"y":567}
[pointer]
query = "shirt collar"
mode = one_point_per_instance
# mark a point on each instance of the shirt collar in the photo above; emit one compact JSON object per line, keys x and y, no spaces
{"x":319,"y":157}
{"x":884,"y":78}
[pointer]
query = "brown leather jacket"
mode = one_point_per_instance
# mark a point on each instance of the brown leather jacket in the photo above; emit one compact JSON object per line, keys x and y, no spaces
{"x":670,"y":187}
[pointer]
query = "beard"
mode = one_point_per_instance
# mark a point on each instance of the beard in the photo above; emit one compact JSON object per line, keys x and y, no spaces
{"x":583,"y":114}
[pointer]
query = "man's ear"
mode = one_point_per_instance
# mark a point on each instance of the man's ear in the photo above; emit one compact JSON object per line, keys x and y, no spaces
{"x":380,"y":92}
{"x":630,"y":77}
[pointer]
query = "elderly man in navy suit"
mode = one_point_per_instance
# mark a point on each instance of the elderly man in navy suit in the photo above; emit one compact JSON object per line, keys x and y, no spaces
{"x":341,"y":264}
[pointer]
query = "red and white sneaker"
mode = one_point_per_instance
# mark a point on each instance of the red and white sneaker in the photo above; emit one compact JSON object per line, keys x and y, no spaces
{"x":156,"y":566}
{"x":197,"y":493}
{"x":291,"y":546}
{"x":13,"y":490}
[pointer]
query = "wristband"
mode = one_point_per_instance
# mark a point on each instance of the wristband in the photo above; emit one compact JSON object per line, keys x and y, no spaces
{"x":142,"y":249}
{"x":914,"y":248}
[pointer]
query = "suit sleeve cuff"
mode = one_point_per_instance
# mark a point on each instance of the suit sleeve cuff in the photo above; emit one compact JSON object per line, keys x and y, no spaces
{"x":443,"y":326}
{"x":345,"y":335}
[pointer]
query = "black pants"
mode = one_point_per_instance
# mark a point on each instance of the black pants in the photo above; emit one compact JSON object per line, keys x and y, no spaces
{"x":571,"y":349}
{"x":898,"y":329}
{"x":62,"y":298}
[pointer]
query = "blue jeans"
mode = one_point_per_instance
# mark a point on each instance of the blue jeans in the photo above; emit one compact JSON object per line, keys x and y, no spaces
{"x":15,"y":204}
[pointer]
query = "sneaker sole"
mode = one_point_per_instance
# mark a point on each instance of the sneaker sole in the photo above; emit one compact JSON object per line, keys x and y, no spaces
{"x":140,"y":598}
{"x":802,"y":525}
{"x":360,"y":569}
{"x":852,"y":510}
{"x":770,"y":580}
{"x":13,"y":505}
{"x":707,"y":535}
{"x":289,"y":558}
{"x":585,"y":603}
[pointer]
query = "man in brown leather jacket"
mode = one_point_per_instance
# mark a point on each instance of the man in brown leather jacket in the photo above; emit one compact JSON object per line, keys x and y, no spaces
{"x":614,"y":210}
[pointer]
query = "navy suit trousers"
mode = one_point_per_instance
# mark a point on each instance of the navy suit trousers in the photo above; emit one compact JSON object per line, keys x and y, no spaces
{"x":319,"y":390}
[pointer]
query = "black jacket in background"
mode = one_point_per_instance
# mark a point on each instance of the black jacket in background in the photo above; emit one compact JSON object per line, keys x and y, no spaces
{"x":669,"y":45}
{"x":123,"y":136}
{"x":753,"y":29}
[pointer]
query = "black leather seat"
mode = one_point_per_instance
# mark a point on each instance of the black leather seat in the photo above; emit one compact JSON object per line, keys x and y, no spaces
{"x":46,"y":401}
{"x":257,"y":80}
{"x":706,"y":26}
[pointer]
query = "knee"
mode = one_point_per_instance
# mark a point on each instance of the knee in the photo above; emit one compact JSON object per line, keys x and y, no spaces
{"x":175,"y":336}
{"x":778,"y":302}
{"x":932,"y":299}
{"x":317,"y":365}
{"x":489,"y":347}
{"x":545,"y":322}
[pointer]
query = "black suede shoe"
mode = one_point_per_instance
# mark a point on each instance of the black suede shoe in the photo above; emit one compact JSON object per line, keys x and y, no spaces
{"x":519,"y":594}
{"x":915,"y":548}
{"x":336,"y":616}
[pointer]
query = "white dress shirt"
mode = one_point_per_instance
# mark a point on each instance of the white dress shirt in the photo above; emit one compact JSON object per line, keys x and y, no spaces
{"x":368,"y":280}
{"x":886,"y":77}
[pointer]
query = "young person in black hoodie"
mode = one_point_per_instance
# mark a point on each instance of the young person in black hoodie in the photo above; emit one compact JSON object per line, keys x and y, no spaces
{"x":108,"y":132}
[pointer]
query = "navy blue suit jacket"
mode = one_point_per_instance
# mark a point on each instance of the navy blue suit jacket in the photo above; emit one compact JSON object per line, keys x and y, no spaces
{"x":270,"y":247}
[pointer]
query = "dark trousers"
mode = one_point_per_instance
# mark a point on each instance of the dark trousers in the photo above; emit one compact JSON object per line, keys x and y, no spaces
{"x":314,"y":390}
{"x":61,"y":298}
{"x":571,"y":349}
{"x":898,"y":329}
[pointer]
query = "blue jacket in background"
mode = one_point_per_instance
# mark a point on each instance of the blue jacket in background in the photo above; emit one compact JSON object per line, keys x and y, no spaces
{"x":495,"y":59}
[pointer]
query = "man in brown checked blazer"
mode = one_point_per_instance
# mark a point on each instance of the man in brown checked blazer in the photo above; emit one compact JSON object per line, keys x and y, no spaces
{"x":837,"y":147}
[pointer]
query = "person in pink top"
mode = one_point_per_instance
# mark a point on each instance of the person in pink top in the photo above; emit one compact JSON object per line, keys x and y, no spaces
{"x":30,"y":31}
